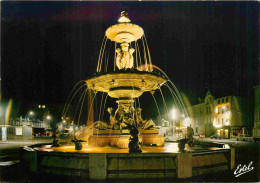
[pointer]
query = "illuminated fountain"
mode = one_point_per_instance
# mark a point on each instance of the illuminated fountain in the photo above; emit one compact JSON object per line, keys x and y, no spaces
{"x":126,"y":83}
{"x":105,"y":153}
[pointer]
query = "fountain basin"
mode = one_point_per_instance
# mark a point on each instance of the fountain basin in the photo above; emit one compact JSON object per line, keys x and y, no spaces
{"x":113,"y":163}
{"x":122,"y":84}
{"x":115,"y":138}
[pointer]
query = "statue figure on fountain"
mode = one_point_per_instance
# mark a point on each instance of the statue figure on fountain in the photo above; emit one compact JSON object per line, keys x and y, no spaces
{"x":78,"y":145}
{"x":56,"y":138}
{"x":125,"y":114}
{"x":124,"y":58}
{"x":144,"y":124}
{"x":100,"y":125}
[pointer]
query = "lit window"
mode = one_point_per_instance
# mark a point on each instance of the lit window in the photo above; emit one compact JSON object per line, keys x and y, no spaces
{"x":43,"y":106}
{"x":39,"y":106}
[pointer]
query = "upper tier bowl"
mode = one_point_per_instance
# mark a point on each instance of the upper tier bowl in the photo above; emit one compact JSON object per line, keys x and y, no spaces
{"x":123,"y":84}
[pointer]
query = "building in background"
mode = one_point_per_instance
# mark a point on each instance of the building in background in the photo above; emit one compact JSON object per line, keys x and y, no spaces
{"x":256,"y":130}
{"x":227,"y":116}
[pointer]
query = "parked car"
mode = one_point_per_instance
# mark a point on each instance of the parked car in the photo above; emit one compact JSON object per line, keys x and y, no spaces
{"x":64,"y":133}
{"x":215,"y":136}
{"x":245,"y":137}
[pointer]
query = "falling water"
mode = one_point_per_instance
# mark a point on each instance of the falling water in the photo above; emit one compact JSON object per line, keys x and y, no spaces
{"x":156,"y":105}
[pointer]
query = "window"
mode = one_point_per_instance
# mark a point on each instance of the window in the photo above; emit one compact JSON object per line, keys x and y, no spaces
{"x":219,"y":101}
{"x":223,"y":100}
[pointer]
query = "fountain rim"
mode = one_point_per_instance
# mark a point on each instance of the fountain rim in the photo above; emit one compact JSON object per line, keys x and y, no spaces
{"x":127,"y":71}
{"x":33,"y":148}
{"x":125,"y":83}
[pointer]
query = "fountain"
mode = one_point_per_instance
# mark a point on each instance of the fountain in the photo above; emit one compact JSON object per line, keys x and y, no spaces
{"x":126,"y":83}
{"x":127,"y":146}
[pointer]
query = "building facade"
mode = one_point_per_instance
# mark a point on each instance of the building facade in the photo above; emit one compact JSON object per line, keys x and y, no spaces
{"x":256,"y":130}
{"x":24,"y":128}
{"x":227,"y":116}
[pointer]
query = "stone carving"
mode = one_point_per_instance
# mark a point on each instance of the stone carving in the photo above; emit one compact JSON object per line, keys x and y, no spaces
{"x":144,"y":124}
{"x":100,"y":125}
{"x":190,"y":133}
{"x":187,"y":140}
{"x":78,"y":145}
{"x":124,"y":58}
{"x":133,"y":140}
{"x":125,"y":114}
{"x":56,"y":139}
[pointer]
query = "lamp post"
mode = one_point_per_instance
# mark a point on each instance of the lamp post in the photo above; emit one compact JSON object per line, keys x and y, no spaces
{"x":47,"y":120}
{"x":28,"y":115}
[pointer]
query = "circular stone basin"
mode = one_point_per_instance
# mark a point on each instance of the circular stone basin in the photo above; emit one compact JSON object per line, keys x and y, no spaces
{"x":123,"y":84}
{"x":124,"y":32}
{"x":168,"y":148}
{"x":101,"y":163}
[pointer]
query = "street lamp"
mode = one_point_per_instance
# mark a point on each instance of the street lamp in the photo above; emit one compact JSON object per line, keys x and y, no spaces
{"x":173,"y":114}
{"x":30,"y":114}
{"x":174,"y":117}
{"x":48,"y":117}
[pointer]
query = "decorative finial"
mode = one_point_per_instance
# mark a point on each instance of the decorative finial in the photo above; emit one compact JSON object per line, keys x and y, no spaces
{"x":124,"y":18}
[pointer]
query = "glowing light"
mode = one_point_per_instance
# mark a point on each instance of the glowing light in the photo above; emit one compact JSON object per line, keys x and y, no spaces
{"x":87,"y":149}
{"x":48,"y":117}
{"x":67,"y":147}
{"x":31,"y":113}
{"x":216,"y":110}
{"x":64,"y":121}
{"x":173,"y":113}
{"x":217,"y":125}
{"x":186,"y":122}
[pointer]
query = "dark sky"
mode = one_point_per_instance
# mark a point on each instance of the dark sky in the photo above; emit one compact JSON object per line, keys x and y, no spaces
{"x":47,"y":47}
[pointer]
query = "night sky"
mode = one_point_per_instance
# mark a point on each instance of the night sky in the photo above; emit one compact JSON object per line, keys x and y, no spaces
{"x":47,"y":47}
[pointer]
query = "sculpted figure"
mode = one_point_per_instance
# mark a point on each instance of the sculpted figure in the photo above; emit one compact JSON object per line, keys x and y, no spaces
{"x":56,"y":138}
{"x":148,"y":124}
{"x":119,"y":61}
{"x":78,"y":145}
{"x":100,"y":125}
{"x":139,"y":118}
{"x":130,"y":61}
{"x":124,"y":58}
{"x":144,"y":124}
{"x":112,"y":117}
